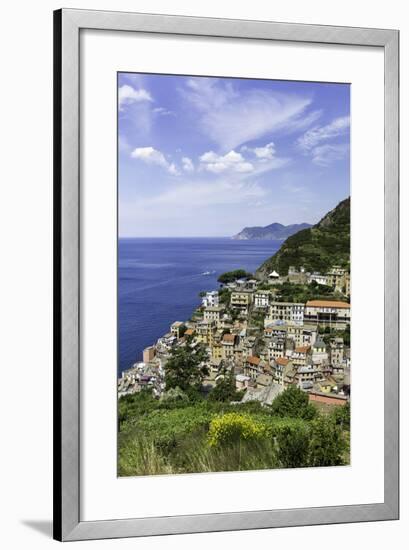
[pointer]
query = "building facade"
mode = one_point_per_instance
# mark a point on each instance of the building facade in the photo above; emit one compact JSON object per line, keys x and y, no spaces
{"x":213,"y":313}
{"x":211,"y":299}
{"x":328,"y":313}
{"x":241,"y":299}
{"x":290,"y":312}
{"x":261,"y":299}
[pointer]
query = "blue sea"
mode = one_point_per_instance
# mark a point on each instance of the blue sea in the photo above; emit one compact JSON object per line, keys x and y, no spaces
{"x":159,"y":281}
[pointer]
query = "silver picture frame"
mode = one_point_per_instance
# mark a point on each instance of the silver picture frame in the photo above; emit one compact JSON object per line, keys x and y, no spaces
{"x":67,"y":26}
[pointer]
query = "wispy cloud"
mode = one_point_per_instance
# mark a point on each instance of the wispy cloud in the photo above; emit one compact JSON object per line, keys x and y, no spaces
{"x":230,"y":117}
{"x":162,"y":111}
{"x":187,"y":204}
{"x":152,"y":156}
{"x":128,"y":94}
{"x":314,"y":142}
{"x":324,"y":155}
{"x":313,"y":137}
{"x":202,"y":193}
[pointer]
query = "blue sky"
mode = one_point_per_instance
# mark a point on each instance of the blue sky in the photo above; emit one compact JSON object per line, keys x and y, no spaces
{"x":208,"y":156}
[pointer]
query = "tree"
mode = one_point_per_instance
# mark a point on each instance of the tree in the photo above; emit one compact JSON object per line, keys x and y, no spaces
{"x":342,"y":416}
{"x":293,"y":403}
{"x":224,"y":296}
{"x":327,"y":443}
{"x":186,"y":367}
{"x":225,"y":390}
{"x":231,"y":276}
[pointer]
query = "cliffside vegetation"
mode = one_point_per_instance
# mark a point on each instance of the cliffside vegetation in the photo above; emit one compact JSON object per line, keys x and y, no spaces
{"x":318,"y":248}
{"x":231,"y":276}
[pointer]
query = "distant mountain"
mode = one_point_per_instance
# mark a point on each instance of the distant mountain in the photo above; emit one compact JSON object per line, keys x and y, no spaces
{"x":317,"y":248}
{"x":274,"y":231}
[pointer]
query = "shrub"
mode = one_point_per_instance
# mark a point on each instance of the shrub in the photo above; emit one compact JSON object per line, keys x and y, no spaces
{"x":327,"y":444}
{"x":293,"y":446}
{"x":232,"y":427}
{"x":293,"y":403}
{"x":174,"y":395}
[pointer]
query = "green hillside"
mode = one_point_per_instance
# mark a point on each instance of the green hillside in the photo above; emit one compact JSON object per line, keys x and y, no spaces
{"x":318,"y":248}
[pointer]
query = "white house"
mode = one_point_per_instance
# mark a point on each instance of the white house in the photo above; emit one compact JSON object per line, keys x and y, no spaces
{"x":211,"y":299}
{"x":318,"y":278}
{"x":261,"y":298}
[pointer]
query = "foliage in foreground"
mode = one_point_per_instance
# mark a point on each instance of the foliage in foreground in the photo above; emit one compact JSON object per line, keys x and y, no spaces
{"x":178,"y":435}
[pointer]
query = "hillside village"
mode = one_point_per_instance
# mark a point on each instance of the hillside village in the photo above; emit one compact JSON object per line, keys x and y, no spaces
{"x":264,"y":333}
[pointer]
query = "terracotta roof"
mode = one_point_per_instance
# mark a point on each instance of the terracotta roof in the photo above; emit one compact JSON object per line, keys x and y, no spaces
{"x":189,"y":332}
{"x":229,"y":338}
{"x":282,"y":361}
{"x":302,"y":349}
{"x":328,"y":303}
{"x":253,"y":360}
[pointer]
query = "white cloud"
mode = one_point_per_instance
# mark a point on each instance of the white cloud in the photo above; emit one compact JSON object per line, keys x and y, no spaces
{"x":127,"y":95}
{"x":162,"y":111}
{"x":338,"y":127}
{"x":172,"y":169}
{"x":323,"y":155}
{"x":231,"y":118}
{"x":267,"y":152}
{"x":187,"y":164}
{"x":231,"y":162}
{"x":149,"y":155}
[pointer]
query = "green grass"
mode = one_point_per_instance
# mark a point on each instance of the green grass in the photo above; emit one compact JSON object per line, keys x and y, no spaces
{"x":171,"y":438}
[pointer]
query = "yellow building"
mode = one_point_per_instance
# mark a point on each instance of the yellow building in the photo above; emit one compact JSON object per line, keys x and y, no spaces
{"x":204,"y":332}
{"x":339,"y":279}
{"x":217,"y":351}
{"x":228,"y":344}
{"x":241,"y":299}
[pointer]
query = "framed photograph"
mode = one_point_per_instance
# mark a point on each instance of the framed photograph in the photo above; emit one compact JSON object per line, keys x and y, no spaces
{"x":226,"y":274}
